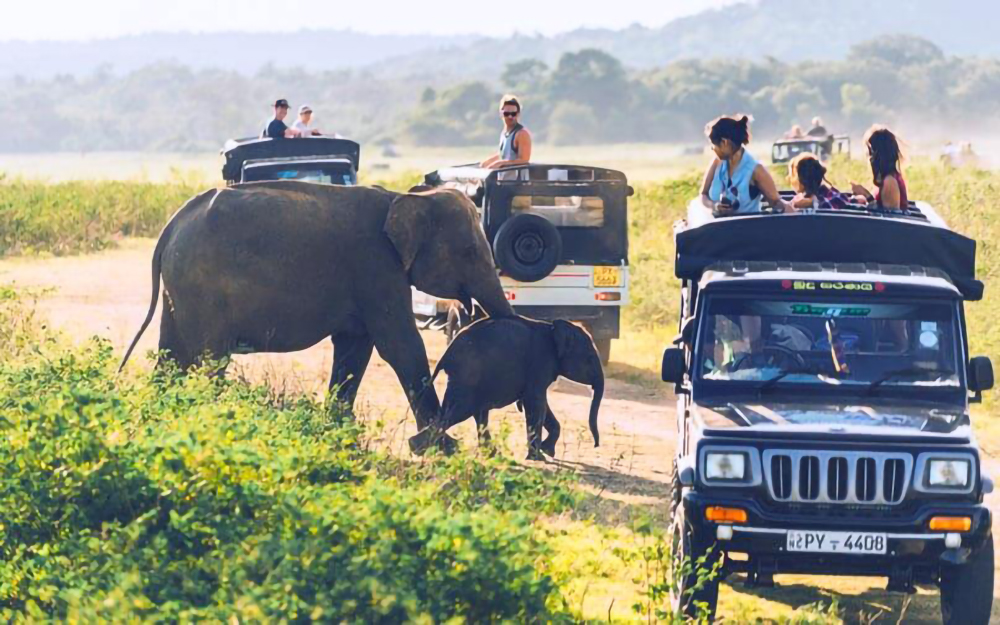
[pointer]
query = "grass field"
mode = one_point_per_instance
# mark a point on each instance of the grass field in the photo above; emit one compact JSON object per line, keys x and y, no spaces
{"x":156,"y":498}
{"x":642,"y":162}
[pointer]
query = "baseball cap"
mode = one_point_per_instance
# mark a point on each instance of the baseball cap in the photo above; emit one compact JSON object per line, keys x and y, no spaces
{"x":282,"y":102}
{"x":305,"y":108}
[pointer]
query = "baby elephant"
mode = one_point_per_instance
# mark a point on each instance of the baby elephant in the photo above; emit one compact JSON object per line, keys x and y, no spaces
{"x":498,"y":361}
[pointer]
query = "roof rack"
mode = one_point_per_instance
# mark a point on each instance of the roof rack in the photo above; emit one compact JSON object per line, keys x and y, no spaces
{"x":530,"y":172}
{"x":741,"y":268}
{"x":917,"y":237}
{"x":239,"y":151}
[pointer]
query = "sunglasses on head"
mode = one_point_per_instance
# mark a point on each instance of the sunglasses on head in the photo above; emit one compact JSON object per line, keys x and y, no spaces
{"x":510,"y":113}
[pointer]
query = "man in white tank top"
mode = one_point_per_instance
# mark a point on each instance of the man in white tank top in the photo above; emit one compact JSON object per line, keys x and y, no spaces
{"x":515,"y":140}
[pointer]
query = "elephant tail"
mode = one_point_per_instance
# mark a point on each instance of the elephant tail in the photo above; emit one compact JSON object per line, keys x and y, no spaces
{"x":161,"y":243}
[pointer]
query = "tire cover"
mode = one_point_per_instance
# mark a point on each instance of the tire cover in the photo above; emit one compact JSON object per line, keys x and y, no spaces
{"x":527,"y":247}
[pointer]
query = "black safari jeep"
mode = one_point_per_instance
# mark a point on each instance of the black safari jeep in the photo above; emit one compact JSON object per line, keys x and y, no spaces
{"x":823,"y":383}
{"x":784,"y":150}
{"x":316,"y":159}
{"x":559,"y":235}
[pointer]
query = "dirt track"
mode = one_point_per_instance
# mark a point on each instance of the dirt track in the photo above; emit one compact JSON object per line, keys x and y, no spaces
{"x":108,"y":295}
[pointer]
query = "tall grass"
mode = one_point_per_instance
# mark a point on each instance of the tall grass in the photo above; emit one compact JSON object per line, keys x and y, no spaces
{"x":83,"y":216}
{"x":88,"y":216}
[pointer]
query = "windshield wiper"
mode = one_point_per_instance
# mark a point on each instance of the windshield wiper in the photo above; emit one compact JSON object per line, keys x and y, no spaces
{"x":889,"y":375}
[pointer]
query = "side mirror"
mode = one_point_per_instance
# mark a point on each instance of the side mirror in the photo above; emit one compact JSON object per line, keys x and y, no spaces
{"x":673,"y":365}
{"x":980,"y":374}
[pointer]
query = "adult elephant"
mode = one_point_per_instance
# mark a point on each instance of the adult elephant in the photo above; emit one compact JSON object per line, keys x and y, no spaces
{"x":280,"y":266}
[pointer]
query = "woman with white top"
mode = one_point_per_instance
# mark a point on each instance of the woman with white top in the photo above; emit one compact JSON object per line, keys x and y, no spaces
{"x":302,"y":123}
{"x":735,"y":182}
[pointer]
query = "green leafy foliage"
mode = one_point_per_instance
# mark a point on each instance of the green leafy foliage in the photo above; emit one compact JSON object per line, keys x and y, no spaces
{"x":196,"y":498}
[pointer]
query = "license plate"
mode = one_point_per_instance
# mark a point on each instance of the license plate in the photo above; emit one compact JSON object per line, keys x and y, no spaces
{"x":836,"y":542}
{"x":607,"y":276}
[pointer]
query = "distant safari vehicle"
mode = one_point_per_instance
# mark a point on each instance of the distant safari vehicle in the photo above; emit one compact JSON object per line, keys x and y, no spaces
{"x":559,"y":235}
{"x":784,"y":150}
{"x":317,"y":159}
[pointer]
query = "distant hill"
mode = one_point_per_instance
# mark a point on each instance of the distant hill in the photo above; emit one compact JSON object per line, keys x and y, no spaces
{"x":245,"y":53}
{"x":787,"y":30}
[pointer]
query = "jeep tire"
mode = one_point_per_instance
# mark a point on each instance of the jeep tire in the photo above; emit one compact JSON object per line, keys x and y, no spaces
{"x":967,"y":589}
{"x":527,"y":247}
{"x":688,"y":545}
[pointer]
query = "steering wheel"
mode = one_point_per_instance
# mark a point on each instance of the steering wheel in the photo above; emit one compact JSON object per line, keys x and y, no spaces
{"x":770,"y":356}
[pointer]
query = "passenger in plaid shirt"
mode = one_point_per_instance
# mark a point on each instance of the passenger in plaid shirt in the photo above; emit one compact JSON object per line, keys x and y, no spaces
{"x":808,"y":176}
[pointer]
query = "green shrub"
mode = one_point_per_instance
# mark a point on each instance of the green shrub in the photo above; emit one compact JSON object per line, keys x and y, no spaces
{"x":196,"y":498}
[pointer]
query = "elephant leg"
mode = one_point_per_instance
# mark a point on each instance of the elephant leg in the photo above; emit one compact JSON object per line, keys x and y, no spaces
{"x":534,"y":415}
{"x":405,"y":353}
{"x":457,"y":406}
{"x":552,"y":426}
{"x":351,"y":355}
{"x":171,"y":347}
{"x":483,"y":427}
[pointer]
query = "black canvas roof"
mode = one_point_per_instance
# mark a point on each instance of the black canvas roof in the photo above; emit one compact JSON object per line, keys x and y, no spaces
{"x":519,"y":174}
{"x":831,"y":237}
{"x":238,"y":152}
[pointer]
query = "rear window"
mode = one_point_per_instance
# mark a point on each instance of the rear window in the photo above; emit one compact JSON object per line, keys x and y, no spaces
{"x":569,"y":211}
{"x":334,"y":176}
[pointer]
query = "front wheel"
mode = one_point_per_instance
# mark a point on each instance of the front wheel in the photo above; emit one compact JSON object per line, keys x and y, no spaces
{"x":695,"y":574}
{"x":967,"y":589}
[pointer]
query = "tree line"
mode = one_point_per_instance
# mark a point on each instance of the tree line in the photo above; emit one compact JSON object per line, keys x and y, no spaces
{"x":587,"y":97}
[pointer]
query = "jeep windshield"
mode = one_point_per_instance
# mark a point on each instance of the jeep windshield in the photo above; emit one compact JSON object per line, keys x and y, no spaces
{"x":860,"y":347}
{"x":323,"y":173}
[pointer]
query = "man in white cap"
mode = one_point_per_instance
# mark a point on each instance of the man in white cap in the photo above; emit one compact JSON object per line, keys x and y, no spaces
{"x":302,"y":123}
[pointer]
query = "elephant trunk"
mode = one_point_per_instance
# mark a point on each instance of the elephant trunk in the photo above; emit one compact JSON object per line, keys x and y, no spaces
{"x":595,"y":405}
{"x":493,"y":300}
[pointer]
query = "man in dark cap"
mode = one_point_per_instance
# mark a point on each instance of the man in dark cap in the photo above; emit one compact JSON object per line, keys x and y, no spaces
{"x":276,"y":128}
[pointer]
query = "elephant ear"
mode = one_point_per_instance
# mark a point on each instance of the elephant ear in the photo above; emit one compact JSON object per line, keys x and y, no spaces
{"x":408,"y":225}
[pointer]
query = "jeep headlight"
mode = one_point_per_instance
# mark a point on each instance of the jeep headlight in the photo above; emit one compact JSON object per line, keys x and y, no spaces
{"x":725,"y":465}
{"x":948,"y":472}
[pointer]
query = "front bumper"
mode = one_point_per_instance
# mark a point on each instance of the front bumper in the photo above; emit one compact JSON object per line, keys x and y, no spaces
{"x":910,"y":545}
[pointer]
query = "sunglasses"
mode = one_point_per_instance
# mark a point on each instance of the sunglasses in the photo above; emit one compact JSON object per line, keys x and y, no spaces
{"x":510,"y":113}
{"x":732,"y":190}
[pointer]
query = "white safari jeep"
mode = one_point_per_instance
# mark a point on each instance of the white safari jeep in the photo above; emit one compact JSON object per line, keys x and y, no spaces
{"x":559,"y":235}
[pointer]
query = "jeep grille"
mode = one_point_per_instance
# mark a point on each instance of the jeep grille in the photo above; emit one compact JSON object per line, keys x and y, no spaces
{"x":867,"y":478}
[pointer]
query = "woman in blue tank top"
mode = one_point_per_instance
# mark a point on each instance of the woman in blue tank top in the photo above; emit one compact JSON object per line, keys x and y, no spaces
{"x":735,"y":182}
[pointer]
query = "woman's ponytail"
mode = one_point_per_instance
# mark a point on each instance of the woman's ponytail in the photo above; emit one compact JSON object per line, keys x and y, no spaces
{"x":735,"y":129}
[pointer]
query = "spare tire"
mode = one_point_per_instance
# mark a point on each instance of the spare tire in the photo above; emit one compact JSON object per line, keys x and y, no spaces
{"x":527,"y":247}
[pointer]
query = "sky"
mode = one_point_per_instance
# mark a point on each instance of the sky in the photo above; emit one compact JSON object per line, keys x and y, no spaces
{"x":76,"y":20}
